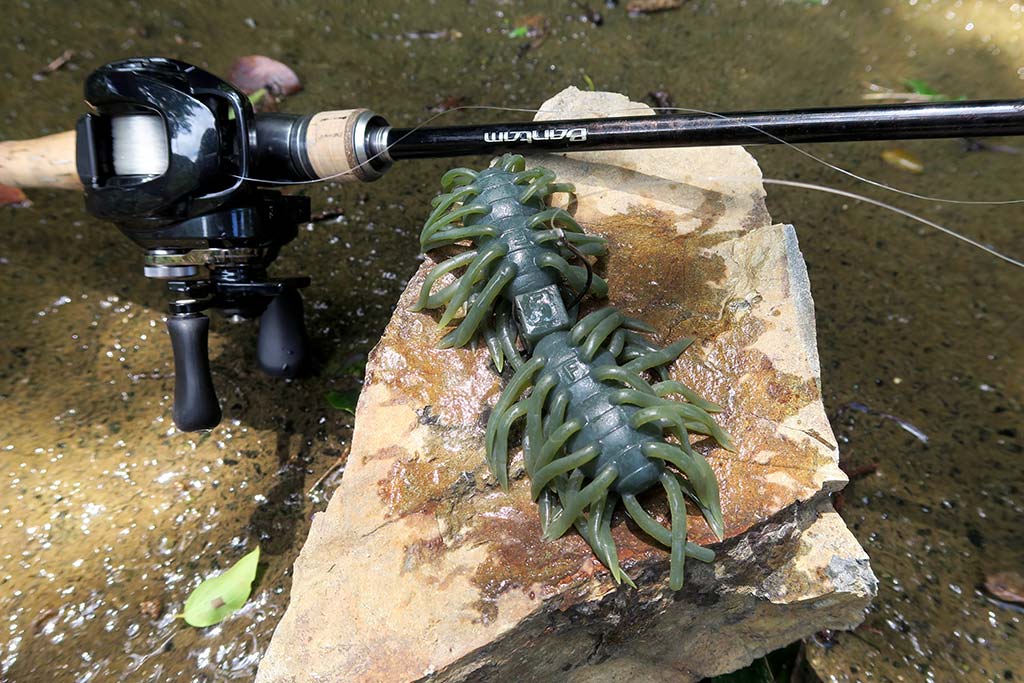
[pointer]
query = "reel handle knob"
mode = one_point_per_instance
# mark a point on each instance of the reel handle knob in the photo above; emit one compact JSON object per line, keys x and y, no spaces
{"x":283,"y":345}
{"x":195,"y":400}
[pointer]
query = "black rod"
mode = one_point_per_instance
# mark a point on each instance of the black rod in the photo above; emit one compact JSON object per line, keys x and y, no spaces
{"x":893,"y":122}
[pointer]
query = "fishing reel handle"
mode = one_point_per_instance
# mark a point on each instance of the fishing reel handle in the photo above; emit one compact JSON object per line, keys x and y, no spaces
{"x":282,"y":347}
{"x":282,"y":350}
{"x":195,"y":400}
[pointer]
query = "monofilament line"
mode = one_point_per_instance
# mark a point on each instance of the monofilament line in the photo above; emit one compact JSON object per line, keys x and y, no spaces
{"x":890,"y":207}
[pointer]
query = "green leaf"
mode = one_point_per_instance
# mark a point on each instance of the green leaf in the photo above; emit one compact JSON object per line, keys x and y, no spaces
{"x":589,"y":82}
{"x":216,"y":598}
{"x":255,"y":97}
{"x":519,"y":32}
{"x":919,"y":87}
{"x":343,"y":400}
{"x":356,"y":369}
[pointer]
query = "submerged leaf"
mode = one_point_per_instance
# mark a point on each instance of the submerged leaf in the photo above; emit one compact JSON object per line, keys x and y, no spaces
{"x":13,"y":196}
{"x":918,"y":86}
{"x":636,"y":7}
{"x":903,"y":160}
{"x":355,"y":369}
{"x":343,"y":400}
{"x":216,"y":598}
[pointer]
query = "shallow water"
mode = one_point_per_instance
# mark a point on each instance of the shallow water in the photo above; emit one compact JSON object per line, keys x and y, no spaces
{"x":104,"y":506}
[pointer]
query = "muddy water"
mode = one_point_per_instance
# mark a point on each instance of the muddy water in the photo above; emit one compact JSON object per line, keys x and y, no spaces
{"x":109,"y":517}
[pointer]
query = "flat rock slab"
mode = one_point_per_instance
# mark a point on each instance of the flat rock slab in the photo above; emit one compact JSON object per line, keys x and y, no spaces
{"x":423,"y":569}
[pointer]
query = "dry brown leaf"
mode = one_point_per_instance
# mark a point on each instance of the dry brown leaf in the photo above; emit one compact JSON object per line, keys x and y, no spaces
{"x":13,"y":196}
{"x":652,"y":6}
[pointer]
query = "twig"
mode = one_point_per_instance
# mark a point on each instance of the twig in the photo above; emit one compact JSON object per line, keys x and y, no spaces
{"x":337,"y":463}
{"x":54,"y":65}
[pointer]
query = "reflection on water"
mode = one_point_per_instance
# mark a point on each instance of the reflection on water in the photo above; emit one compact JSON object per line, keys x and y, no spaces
{"x":109,"y":517}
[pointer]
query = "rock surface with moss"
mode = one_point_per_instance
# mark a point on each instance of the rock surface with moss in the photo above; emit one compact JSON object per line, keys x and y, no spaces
{"x":422,"y":568}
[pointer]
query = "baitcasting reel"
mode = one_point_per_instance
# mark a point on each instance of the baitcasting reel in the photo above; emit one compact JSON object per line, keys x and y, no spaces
{"x":165,"y":156}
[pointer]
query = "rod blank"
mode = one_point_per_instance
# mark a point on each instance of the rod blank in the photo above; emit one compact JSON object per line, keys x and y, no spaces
{"x":842,"y":124}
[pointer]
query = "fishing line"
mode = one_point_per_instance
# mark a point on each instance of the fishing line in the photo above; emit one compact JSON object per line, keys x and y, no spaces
{"x":839,"y":169}
{"x":895,"y":209}
{"x":858,"y":197}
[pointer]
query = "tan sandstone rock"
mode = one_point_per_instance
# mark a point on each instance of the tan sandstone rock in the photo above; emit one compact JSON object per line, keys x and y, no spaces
{"x":423,"y":569}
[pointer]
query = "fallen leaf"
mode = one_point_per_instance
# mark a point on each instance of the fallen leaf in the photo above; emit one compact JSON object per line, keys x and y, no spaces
{"x":343,"y":400}
{"x":903,"y":160}
{"x":534,"y":27}
{"x":919,"y":87}
{"x":447,"y":104}
{"x":859,"y":471}
{"x":445,"y":34}
{"x":253,"y":72}
{"x":217,"y":598}
{"x":355,"y":369}
{"x":1006,"y":586}
{"x":13,"y":196}
{"x":922,"y":89}
{"x":636,"y":7}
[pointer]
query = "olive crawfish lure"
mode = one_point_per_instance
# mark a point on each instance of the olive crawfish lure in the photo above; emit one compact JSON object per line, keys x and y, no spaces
{"x":596,"y":428}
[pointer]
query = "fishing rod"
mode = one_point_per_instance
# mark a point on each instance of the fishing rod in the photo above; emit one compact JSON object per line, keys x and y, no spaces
{"x":177,"y":159}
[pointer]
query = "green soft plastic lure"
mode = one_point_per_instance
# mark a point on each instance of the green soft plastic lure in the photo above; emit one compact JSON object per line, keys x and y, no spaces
{"x":601,"y":423}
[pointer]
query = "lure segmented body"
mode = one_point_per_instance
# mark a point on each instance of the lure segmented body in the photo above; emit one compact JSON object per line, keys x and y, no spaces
{"x":516,"y":254}
{"x":596,"y":430}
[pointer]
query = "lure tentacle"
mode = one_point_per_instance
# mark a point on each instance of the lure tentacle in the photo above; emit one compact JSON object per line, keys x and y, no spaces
{"x":428,"y":300}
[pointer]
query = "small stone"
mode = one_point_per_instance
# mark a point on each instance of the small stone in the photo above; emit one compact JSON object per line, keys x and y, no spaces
{"x":151,"y":609}
{"x":1006,"y":586}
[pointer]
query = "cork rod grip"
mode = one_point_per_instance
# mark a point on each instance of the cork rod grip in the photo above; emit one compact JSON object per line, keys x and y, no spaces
{"x":44,"y":162}
{"x":331,"y":148}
